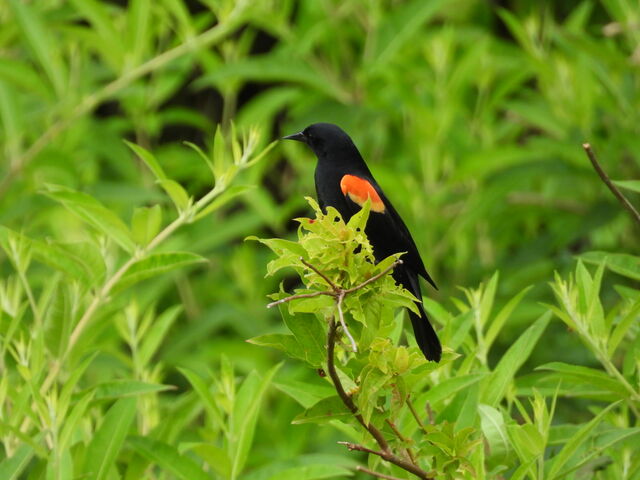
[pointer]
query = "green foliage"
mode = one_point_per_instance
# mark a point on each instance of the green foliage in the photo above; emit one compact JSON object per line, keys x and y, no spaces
{"x":482,"y":426}
{"x":123,"y":275}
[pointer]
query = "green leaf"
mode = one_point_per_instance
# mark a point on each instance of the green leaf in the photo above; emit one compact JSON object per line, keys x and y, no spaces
{"x":41,"y":42}
{"x":587,"y":375}
{"x":501,"y":318}
{"x":11,"y":117}
{"x":280,"y":341}
{"x":146,"y":223}
{"x":148,"y":158}
{"x":494,"y":430}
{"x":127,"y":388}
{"x":13,"y":466}
{"x":325,"y":410}
{"x":156,"y":264}
{"x":621,"y":329}
{"x":98,"y":16}
{"x":488,"y":295}
{"x":572,"y":446}
{"x":167,"y":457}
{"x":603,"y":441}
{"x":245,"y":414}
{"x":309,"y":333}
{"x":207,"y":398}
{"x":224,"y":198}
{"x":622,"y":263}
{"x":497,"y":383}
{"x":305,"y":393}
{"x":154,"y":336}
{"x":107,"y":441}
{"x":94,"y":213}
{"x":178,"y":195}
{"x":446,"y":389}
{"x":631,"y":185}
{"x":138,"y":15}
{"x":215,"y":457}
{"x":311,"y":472}
{"x":400,"y":26}
{"x":73,"y":419}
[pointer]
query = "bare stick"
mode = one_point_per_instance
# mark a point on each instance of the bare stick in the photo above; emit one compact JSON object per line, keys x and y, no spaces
{"x":324,"y":277}
{"x":300,"y":295}
{"x":396,"y":431}
{"x":623,"y":200}
{"x":360,"y":448}
{"x":375,"y":277}
{"x":429,"y":413}
{"x":354,"y":347}
{"x":402,"y":438}
{"x":414,"y":413}
{"x":376,"y":474}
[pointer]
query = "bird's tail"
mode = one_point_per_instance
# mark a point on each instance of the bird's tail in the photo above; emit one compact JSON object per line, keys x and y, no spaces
{"x":425,"y":335}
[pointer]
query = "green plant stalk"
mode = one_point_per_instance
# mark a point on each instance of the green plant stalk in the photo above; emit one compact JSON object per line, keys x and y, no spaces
{"x":603,"y":358}
{"x":91,"y":101}
{"x":185,"y":217}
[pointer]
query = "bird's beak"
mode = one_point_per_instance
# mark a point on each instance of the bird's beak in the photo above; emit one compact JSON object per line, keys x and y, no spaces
{"x":299,"y":137}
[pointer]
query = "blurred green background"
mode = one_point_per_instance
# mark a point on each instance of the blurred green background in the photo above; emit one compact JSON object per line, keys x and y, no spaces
{"x":471,"y":115}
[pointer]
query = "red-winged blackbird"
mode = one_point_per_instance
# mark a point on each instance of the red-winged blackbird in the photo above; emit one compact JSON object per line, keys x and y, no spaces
{"x":344,"y":182}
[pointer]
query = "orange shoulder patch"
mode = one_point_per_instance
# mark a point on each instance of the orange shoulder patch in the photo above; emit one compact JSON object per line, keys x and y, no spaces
{"x":358,"y":190}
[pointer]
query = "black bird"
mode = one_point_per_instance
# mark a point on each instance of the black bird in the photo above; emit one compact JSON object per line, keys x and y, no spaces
{"x":343,"y":181}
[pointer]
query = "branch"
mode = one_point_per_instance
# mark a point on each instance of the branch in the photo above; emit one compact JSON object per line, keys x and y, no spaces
{"x":300,"y":295}
{"x":402,"y":438}
{"x":324,"y":277}
{"x":375,"y":277}
{"x":354,"y":347}
{"x":623,"y":200}
{"x":385,"y":452}
{"x":415,"y":414}
{"x":360,"y":448}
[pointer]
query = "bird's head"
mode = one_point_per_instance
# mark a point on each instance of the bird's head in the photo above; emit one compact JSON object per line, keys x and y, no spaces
{"x":325,"y":139}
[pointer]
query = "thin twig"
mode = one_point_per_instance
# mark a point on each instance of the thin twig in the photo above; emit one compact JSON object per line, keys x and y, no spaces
{"x":396,"y":431}
{"x":354,"y":347}
{"x":427,"y":407}
{"x":414,"y":413}
{"x":402,"y":438}
{"x":324,"y":277}
{"x":605,"y":178}
{"x":300,"y":295}
{"x":375,"y":277}
{"x":373,"y":473}
{"x":361,"y":448}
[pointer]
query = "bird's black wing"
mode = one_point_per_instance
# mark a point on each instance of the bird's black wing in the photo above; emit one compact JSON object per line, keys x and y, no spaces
{"x":404,"y":239}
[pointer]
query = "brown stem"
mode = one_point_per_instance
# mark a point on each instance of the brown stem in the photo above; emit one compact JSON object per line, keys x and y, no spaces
{"x":375,"y":277}
{"x":427,"y":407}
{"x":415,"y":414}
{"x":605,"y":178}
{"x":385,"y":452}
{"x":360,"y":448}
{"x":324,"y":277}
{"x":402,"y":438}
{"x":300,"y":295}
{"x":339,"y":294}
